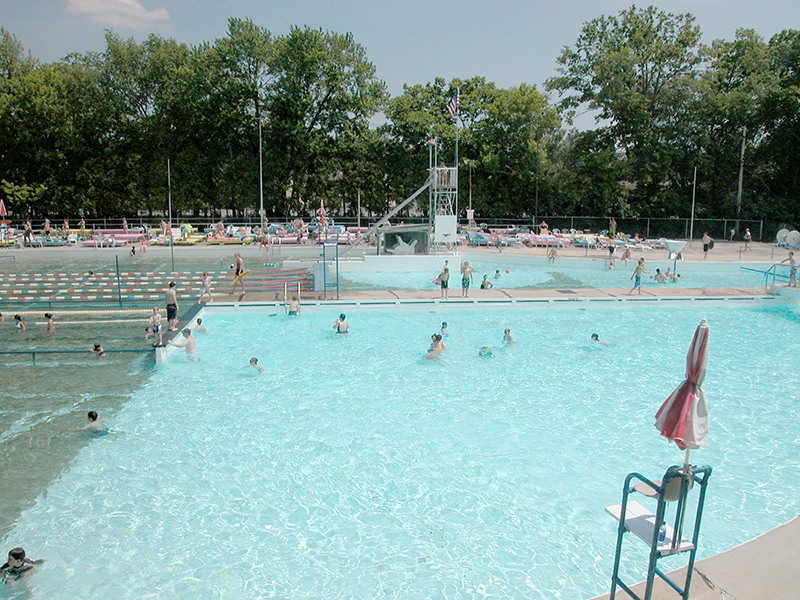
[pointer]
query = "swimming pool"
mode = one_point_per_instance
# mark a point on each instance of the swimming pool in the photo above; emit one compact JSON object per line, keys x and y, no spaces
{"x":353,"y":467}
{"x":536,"y":272}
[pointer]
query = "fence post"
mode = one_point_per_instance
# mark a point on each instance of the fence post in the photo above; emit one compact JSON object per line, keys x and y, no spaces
{"x":119,"y":284}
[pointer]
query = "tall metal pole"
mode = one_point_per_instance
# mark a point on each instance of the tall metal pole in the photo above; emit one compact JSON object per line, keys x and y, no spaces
{"x":260,"y":175}
{"x":169,"y":214}
{"x":694,"y":190}
{"x":741,"y":177}
{"x":359,"y":210}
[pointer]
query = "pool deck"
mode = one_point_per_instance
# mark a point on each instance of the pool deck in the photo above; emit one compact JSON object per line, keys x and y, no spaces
{"x":764,"y":568}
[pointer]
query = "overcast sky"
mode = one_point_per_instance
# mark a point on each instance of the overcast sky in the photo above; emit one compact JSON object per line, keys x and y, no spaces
{"x":409,"y":41}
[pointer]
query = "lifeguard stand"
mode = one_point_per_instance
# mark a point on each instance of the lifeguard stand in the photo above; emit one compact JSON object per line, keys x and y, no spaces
{"x":444,"y":205}
{"x":652,"y":528}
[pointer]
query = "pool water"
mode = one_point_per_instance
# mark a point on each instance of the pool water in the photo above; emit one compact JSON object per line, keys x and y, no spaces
{"x":530,"y":272}
{"x":354,"y":468}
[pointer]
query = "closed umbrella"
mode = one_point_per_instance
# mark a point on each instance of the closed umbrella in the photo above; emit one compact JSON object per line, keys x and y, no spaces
{"x":683,"y":418}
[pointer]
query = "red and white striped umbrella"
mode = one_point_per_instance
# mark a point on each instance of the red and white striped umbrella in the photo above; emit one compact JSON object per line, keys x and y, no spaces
{"x":3,"y":212}
{"x":683,"y":418}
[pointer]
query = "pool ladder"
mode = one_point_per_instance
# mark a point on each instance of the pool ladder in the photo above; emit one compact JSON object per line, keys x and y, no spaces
{"x":663,"y":538}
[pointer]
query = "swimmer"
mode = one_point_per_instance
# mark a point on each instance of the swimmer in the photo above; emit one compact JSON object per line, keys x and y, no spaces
{"x":19,"y":323}
{"x":2,"y":319}
{"x":551,"y":255}
{"x":437,"y":347}
{"x":341,"y":325}
{"x":199,"y":327}
{"x":254,"y":364}
{"x":148,"y":333}
{"x":444,"y":332}
{"x":188,"y":343}
{"x":294,"y":306}
{"x":94,"y":424}
{"x":486,"y":284}
{"x":507,"y":337}
{"x":18,"y":566}
{"x":596,"y":339}
{"x":98,"y":351}
{"x":497,"y":274}
{"x":660,"y":277}
{"x":485,"y":351}
{"x":50,"y":324}
{"x":155,"y":323}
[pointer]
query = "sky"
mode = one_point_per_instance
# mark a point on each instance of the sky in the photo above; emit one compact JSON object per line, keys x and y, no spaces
{"x":508,"y":42}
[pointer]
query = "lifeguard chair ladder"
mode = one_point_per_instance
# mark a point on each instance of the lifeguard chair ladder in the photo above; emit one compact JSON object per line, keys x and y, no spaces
{"x":646,"y":525}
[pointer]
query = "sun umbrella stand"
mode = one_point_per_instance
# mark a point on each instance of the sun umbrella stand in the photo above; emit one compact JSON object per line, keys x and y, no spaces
{"x":646,"y":523}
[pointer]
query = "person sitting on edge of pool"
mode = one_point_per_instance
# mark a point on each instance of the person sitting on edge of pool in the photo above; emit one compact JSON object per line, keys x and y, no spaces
{"x":341,"y":325}
{"x":18,"y":566}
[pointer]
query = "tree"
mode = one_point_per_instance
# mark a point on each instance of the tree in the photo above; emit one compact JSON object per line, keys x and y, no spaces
{"x":638,"y":71}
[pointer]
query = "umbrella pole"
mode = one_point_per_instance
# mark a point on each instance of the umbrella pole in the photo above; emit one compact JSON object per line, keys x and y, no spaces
{"x":681,"y":511}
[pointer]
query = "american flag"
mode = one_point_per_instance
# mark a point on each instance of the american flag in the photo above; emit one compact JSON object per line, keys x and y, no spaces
{"x":452,"y":108}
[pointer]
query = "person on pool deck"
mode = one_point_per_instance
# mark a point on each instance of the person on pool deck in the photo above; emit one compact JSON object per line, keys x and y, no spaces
{"x":748,"y":237}
{"x":596,"y":339}
{"x":198,"y":328}
{"x":706,"y":245}
{"x":466,"y":279}
{"x":507,"y":337}
{"x":51,"y":327}
{"x":171,"y":299}
{"x":254,"y":364}
{"x":341,"y":325}
{"x":637,"y":277}
{"x":486,"y":284}
{"x":792,"y":270}
{"x":294,"y":306}
{"x":155,"y":323}
{"x":443,"y":279}
{"x":205,"y":287}
{"x":19,"y":323}
{"x":18,"y":566}
{"x":188,"y":343}
{"x":239,"y":266}
{"x":98,"y":351}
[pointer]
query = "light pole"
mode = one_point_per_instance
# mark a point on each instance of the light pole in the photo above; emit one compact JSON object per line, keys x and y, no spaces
{"x":260,"y":117}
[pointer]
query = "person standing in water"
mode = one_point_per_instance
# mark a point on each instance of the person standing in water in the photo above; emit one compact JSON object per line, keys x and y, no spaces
{"x":341,"y":325}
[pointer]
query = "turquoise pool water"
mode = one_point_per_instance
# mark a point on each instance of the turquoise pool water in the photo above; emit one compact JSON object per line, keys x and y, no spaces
{"x":564,"y":273}
{"x":354,"y":468}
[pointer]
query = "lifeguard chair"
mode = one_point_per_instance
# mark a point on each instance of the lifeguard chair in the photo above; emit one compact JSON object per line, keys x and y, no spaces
{"x":652,"y":527}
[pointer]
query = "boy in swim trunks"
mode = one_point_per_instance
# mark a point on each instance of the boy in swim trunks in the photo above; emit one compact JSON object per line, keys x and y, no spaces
{"x":466,"y":278}
{"x":171,"y":298}
{"x":155,"y":323}
{"x":18,"y":566}
{"x":637,"y":277}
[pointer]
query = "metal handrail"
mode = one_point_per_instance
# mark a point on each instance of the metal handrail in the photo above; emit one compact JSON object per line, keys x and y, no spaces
{"x":33,"y":353}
